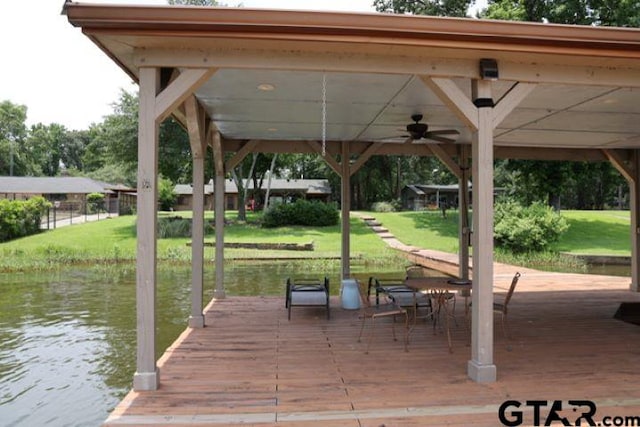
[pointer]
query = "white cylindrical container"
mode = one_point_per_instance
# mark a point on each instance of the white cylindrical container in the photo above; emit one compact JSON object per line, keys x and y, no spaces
{"x":349,"y":294}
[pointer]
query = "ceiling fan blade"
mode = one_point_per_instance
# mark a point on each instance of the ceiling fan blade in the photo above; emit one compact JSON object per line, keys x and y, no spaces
{"x":409,"y":140}
{"x":440,"y":139}
{"x":399,"y":138}
{"x":441,"y":132}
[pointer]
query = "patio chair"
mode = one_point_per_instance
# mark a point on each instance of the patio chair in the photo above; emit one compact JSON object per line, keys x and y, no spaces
{"x":386,"y":307}
{"x":502,"y":307}
{"x":418,"y":304}
{"x":419,"y":271}
{"x":307,"y":292}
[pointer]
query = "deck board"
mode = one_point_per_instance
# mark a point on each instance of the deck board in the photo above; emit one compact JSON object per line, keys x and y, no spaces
{"x":253,"y":366}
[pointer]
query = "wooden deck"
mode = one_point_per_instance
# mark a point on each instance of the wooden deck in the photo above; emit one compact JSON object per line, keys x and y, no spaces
{"x":252,"y":366}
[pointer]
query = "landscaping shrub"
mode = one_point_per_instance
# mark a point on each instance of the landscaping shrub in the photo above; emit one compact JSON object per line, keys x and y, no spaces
{"x":173,"y":226}
{"x":301,"y":212}
{"x":95,"y":203}
{"x":384,"y":207}
{"x":19,"y":218}
{"x":167,"y":197}
{"x":526,"y":229}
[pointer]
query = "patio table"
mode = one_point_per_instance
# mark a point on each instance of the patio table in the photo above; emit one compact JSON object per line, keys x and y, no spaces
{"x":438,"y":287}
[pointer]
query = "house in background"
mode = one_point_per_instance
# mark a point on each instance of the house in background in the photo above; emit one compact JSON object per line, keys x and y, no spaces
{"x":281,"y":191}
{"x":68,"y":193}
{"x":417,"y":197}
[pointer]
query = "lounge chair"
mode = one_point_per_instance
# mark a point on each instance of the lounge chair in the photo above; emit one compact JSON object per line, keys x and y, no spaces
{"x":307,"y":292}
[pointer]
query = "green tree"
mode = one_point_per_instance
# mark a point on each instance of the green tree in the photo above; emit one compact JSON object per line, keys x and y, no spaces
{"x":115,"y":143}
{"x":425,"y":7}
{"x":45,"y":145}
{"x":551,"y":180}
{"x":73,"y":148}
{"x":13,"y":133}
{"x":167,"y":196}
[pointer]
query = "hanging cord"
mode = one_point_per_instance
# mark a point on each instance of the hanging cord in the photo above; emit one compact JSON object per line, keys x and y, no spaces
{"x":324,"y":114}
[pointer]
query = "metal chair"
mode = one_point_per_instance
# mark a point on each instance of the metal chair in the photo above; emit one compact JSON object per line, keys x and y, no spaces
{"x":418,"y":305}
{"x":450,"y":297}
{"x":387,"y":307}
{"x":502,"y":307}
{"x":306,"y":292}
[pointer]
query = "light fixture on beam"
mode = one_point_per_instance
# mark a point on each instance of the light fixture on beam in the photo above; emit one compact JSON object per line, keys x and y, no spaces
{"x":489,"y":69}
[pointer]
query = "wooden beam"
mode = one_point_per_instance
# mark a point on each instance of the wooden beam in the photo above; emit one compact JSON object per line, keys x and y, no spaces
{"x":179,"y":89}
{"x":446,"y":159}
{"x":333,"y":163}
{"x":195,"y":116}
{"x":218,"y":155}
{"x":453,"y":97}
{"x":618,"y":161}
{"x":362,"y":159}
{"x":397,"y":149}
{"x":510,"y":101}
{"x":247,"y":147}
{"x":410,"y":60}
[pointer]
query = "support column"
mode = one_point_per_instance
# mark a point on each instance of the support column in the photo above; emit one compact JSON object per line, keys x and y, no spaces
{"x":463,"y":213}
{"x":196,"y":320}
{"x":345,"y":203}
{"x":634,"y":207}
{"x":481,"y":367}
{"x":147,"y":376}
{"x":219,"y":195}
{"x":195,"y":124}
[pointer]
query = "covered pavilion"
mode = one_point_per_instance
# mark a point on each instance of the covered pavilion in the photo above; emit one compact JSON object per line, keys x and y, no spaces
{"x":344,"y":86}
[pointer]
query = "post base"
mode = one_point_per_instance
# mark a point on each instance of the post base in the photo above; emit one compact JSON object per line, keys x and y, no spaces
{"x":196,"y":321}
{"x":481,"y":373}
{"x":146,"y":381}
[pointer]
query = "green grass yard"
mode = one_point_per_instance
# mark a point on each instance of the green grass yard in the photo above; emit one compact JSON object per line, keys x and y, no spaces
{"x":114,"y":239}
{"x":109,"y":240}
{"x":590,"y":232}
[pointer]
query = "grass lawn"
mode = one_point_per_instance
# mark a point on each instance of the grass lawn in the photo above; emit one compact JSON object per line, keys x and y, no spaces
{"x":106,"y":241}
{"x":596,"y":233}
{"x":590,"y":232}
{"x":115,"y":239}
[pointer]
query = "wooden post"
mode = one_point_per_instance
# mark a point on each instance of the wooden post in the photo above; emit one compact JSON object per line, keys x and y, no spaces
{"x":195,"y":124}
{"x":481,"y":367}
{"x":147,"y":375}
{"x":634,"y":207}
{"x":345,"y":209}
{"x":219,"y":195}
{"x":463,"y":213}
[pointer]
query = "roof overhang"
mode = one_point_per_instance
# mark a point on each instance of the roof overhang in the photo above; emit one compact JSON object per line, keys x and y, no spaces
{"x":585,"y":100}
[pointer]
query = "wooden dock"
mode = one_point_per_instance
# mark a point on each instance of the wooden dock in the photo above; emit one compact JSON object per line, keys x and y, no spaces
{"x":251,"y":366}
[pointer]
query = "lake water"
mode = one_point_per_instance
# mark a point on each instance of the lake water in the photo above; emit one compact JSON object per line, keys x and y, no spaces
{"x":68,"y":339}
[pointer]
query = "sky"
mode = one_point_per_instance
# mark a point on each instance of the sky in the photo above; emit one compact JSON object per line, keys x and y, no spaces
{"x":61,"y":77}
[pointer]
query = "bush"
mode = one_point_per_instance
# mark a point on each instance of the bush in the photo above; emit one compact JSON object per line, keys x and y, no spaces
{"x":301,"y":212}
{"x":166,"y":194}
{"x":19,"y":218}
{"x":384,"y":207}
{"x":526,"y":229}
{"x":173,"y":226}
{"x":95,"y":202}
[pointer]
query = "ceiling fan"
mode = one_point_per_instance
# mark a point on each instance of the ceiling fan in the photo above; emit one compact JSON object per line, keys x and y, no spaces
{"x":420,"y":130}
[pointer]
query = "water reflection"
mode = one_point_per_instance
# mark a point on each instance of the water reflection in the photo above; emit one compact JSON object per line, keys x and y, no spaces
{"x":67,"y":352}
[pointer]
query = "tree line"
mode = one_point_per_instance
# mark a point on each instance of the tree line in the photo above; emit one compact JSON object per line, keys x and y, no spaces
{"x":107,"y":151}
